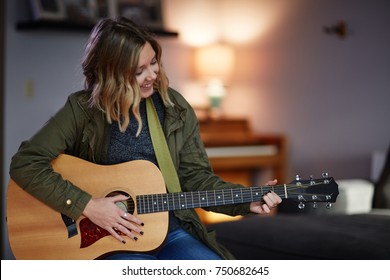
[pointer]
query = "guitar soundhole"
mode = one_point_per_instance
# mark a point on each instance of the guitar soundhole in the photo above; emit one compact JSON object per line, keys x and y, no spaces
{"x":90,"y":233}
{"x":126,"y":205}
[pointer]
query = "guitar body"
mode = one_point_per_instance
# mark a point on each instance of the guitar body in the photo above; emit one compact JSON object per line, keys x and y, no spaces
{"x":36,"y":231}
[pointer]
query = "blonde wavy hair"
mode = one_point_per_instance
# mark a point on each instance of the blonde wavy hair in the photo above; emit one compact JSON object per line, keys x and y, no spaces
{"x":109,"y":66}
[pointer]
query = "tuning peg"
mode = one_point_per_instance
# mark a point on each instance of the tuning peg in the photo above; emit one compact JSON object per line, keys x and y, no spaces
{"x":325,"y":175}
{"x":301,"y":205}
{"x":314,"y":197}
{"x":298,"y":180}
{"x":328,"y":205}
{"x":312,"y":182}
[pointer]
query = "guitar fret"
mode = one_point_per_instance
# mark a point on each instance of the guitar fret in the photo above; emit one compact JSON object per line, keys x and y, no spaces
{"x":258,"y":194}
{"x":183,"y":205}
{"x":178,"y":203}
{"x":139,"y":209}
{"x":200,"y":200}
{"x":197,"y":198}
{"x":190,"y":203}
{"x":164,"y":202}
{"x":161,"y":204}
{"x":176,"y":200}
{"x":148,"y":203}
{"x":142,"y":204}
{"x":169,"y":201}
{"x":151,"y":201}
{"x":228,"y":196}
{"x":192,"y":199}
{"x":204,"y":199}
{"x":220,"y":197}
{"x":236,"y":196}
{"x":155,"y":203}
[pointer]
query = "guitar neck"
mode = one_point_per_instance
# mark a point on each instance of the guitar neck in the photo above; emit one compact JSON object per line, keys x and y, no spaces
{"x":187,"y":200}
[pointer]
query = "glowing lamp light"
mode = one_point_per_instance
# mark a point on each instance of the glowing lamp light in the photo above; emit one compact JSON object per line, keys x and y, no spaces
{"x":214,"y":65}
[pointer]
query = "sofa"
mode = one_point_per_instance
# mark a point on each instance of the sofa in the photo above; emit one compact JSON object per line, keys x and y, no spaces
{"x":356,"y":228}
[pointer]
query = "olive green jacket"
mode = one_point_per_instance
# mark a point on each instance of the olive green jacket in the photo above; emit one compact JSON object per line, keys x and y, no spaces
{"x":82,"y":131}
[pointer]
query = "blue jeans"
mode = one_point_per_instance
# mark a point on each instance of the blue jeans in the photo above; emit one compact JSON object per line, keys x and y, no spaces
{"x":180,"y":245}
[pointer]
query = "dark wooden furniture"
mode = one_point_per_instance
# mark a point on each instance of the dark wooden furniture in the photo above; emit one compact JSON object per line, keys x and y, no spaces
{"x":269,"y":151}
{"x":239,"y":155}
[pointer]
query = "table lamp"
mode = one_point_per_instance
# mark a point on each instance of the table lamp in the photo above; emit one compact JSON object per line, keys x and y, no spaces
{"x":214,"y":65}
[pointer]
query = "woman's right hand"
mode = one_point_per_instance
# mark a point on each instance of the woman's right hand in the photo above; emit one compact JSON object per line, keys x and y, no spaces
{"x":106,"y":214}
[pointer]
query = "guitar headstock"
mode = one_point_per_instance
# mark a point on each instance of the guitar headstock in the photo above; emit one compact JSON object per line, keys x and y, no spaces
{"x":324,"y":189}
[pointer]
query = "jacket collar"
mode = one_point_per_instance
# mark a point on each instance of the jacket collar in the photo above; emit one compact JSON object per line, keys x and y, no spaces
{"x":175,"y":116}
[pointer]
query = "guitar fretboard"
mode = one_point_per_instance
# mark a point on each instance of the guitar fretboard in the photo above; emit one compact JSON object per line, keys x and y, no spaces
{"x":185,"y":200}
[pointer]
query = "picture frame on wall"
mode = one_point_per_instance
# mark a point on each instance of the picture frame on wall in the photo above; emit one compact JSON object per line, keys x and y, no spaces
{"x":144,"y":12}
{"x":153,"y":14}
{"x":103,"y":8}
{"x":81,"y":12}
{"x":90,"y":11}
{"x":132,"y":10}
{"x":48,"y":9}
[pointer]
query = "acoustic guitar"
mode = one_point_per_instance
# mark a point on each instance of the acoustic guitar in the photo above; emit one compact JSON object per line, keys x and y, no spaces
{"x":36,"y":231}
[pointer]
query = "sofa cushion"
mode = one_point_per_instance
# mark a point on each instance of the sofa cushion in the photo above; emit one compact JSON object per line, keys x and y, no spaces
{"x":286,"y":236}
{"x":355,"y":197}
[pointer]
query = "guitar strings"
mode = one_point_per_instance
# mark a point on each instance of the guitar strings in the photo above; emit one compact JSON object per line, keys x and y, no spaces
{"x":166,"y":201}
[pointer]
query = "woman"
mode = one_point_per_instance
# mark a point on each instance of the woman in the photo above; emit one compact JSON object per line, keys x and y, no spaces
{"x":106,"y":124}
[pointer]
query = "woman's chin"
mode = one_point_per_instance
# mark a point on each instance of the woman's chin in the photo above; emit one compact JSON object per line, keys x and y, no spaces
{"x":146,"y":92}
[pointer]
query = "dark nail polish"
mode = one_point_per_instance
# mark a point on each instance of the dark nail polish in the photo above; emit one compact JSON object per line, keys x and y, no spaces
{"x":142,"y":233}
{"x":135,"y":238}
{"x":123,"y":241}
{"x":142,"y":224}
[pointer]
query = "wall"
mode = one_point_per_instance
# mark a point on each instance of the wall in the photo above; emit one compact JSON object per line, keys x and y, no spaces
{"x":329,"y":96}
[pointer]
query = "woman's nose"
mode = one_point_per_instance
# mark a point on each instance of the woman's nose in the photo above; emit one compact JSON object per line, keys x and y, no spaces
{"x":152,"y":75}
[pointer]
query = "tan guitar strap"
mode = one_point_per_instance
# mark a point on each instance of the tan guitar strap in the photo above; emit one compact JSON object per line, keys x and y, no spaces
{"x":160,"y":145}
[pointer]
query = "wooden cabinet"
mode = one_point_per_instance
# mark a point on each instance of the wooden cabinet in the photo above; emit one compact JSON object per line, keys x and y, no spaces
{"x":239,"y":155}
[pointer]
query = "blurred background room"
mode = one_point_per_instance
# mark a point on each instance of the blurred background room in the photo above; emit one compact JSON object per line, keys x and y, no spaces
{"x":310,"y":79}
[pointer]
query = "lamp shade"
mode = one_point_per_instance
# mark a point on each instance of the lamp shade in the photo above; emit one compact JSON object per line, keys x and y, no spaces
{"x":214,"y":62}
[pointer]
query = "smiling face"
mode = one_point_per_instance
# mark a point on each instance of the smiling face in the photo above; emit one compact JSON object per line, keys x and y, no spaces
{"x":147,"y":70}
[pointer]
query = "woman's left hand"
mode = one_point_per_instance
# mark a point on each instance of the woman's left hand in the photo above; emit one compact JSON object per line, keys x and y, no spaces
{"x":269,"y":201}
